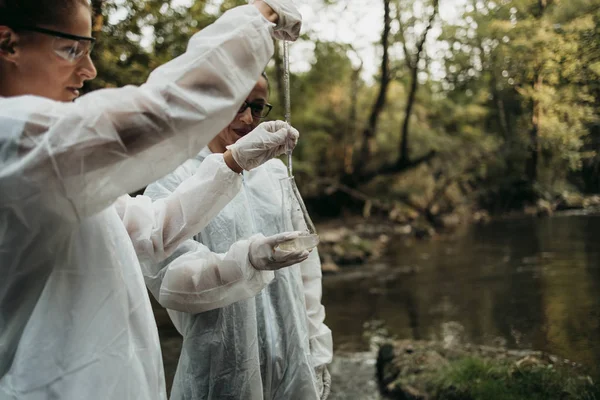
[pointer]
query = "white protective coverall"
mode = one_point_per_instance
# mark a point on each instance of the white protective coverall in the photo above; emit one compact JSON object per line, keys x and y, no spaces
{"x":75,"y":319}
{"x":248,"y":334}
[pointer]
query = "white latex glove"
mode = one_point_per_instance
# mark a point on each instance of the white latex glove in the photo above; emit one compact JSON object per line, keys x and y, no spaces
{"x":267,"y":140}
{"x":264,"y":255}
{"x":323,"y":381}
{"x":290,"y":19}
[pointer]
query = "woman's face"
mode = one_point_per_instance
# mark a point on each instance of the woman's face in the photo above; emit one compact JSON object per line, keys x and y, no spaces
{"x":34,"y":67}
{"x":245,"y":122}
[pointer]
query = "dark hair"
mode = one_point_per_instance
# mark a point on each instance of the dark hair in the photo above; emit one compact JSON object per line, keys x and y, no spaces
{"x":15,"y":13}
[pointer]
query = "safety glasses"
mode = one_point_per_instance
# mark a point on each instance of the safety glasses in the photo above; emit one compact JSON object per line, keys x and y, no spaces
{"x":258,"y":110}
{"x":69,"y":47}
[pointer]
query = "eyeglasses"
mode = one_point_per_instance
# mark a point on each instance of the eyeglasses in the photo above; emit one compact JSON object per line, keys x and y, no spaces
{"x":258,"y":110}
{"x":69,"y":47}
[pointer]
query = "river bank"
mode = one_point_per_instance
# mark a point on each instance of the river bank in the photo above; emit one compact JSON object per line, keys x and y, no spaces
{"x":429,"y":370}
{"x":518,"y":283}
{"x":356,"y":240}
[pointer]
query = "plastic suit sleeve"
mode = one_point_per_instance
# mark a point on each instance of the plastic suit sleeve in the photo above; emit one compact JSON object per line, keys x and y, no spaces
{"x":193,"y":279}
{"x":157,"y":228}
{"x":200,"y":280}
{"x":82,"y":156}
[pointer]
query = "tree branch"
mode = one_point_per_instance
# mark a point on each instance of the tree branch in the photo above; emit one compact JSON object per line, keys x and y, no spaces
{"x":392,"y":169}
{"x":407,"y":54}
{"x":356,"y":194}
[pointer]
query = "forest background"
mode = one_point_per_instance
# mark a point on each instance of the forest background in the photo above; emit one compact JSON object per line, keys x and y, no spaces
{"x":440,"y":108}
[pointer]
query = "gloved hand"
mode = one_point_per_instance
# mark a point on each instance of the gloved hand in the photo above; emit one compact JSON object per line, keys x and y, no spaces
{"x":264,"y":255}
{"x":290,"y":19}
{"x":267,"y":140}
{"x":323,"y":381}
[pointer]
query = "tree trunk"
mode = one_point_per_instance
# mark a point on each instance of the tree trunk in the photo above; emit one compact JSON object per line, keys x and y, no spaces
{"x":412,"y":94}
{"x":352,"y":121}
{"x":371,"y":128}
{"x":536,"y":118}
{"x":360,"y":174}
{"x":497,"y":97}
{"x":404,"y":156}
{"x":502,"y":115}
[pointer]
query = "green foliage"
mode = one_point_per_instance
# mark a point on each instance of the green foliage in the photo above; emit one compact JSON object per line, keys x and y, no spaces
{"x":500,"y":51}
{"x":123,"y":58}
{"x":478,"y":117}
{"x":478,"y":379}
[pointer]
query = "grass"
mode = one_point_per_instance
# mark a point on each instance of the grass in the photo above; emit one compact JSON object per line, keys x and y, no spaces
{"x":477,"y":379}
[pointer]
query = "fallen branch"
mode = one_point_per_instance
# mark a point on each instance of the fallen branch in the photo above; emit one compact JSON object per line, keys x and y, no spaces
{"x":335,"y":186}
{"x":387,"y":169}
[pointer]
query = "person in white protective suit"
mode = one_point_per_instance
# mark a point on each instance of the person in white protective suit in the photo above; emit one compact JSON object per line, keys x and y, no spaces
{"x":251,"y":333}
{"x":75,"y":318}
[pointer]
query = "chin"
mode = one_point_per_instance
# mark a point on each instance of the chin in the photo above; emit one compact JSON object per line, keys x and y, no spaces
{"x":62,"y":97}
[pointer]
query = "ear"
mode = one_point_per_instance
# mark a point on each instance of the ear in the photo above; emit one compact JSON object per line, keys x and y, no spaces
{"x":8,"y":43}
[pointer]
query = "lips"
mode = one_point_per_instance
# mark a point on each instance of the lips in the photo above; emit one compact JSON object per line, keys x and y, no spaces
{"x":74,"y":90}
{"x":242,"y":131}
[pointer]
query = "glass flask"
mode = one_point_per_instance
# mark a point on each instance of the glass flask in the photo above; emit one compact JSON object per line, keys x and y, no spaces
{"x":296,"y":218}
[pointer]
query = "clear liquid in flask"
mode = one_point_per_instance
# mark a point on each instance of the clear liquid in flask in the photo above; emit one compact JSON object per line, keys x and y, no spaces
{"x":295,"y":218}
{"x":303,"y":242}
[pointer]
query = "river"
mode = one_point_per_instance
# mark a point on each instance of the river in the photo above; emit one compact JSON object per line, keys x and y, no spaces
{"x":530,"y":283}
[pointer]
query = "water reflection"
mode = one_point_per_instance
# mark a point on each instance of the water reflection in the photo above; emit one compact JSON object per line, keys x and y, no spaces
{"x":530,"y":283}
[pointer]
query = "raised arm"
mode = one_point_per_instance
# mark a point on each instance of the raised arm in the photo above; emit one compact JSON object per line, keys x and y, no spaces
{"x":79,"y":157}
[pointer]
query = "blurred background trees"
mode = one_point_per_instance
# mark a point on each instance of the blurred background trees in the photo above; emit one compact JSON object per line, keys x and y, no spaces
{"x":494,"y":109}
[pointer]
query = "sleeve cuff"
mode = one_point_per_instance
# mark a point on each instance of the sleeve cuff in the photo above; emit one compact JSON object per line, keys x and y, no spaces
{"x":321,"y":347}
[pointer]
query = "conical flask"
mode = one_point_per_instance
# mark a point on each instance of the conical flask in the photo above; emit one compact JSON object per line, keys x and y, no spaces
{"x":296,"y":218}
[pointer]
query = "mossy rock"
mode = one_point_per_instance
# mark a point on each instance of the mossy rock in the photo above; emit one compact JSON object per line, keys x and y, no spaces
{"x":431,"y":371}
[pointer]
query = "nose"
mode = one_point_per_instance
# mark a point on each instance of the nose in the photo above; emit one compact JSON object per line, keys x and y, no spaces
{"x":246,"y":116}
{"x":87,"y":70}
